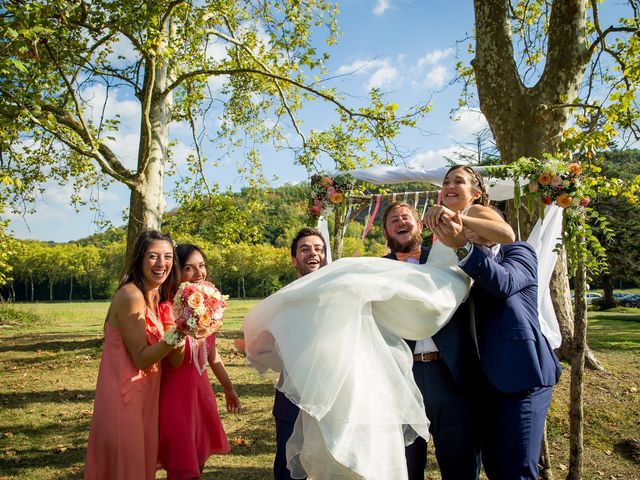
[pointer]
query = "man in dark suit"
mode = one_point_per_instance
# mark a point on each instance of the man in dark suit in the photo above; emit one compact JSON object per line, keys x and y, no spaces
{"x":441,"y":368}
{"x":518,"y":366}
{"x":308,"y":254}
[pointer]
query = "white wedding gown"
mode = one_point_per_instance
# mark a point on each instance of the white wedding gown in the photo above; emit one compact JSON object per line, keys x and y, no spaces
{"x":336,"y":336}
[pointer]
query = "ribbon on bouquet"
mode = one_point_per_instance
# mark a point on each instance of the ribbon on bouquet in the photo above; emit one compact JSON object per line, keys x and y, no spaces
{"x":198,"y":353}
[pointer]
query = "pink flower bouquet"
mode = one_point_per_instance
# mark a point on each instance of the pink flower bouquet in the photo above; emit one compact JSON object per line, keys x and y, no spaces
{"x":198,"y":309}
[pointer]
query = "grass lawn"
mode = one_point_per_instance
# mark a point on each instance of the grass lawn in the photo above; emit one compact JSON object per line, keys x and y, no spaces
{"x":49,"y":355}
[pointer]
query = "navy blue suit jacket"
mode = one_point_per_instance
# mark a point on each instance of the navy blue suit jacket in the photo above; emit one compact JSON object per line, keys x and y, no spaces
{"x":454,"y":340}
{"x":514,"y":353}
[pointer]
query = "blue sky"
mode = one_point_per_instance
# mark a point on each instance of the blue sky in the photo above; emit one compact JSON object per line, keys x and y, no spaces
{"x":407,"y":48}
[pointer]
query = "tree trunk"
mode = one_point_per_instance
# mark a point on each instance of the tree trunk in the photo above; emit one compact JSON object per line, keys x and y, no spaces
{"x":338,"y":232}
{"x":525,"y":121}
{"x":51,"y":290}
{"x":90,"y":290}
{"x":564,"y":312}
{"x":545,"y":458}
{"x":70,"y":288}
{"x":147,"y":202}
{"x":32,"y":288}
{"x":576,"y":413}
{"x":607,"y":288}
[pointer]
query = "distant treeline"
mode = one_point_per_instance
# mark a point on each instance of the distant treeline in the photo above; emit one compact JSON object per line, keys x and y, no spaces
{"x":246,"y":236}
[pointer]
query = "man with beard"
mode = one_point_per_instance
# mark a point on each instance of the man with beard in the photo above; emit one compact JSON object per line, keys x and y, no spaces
{"x":441,"y":368}
{"x":308,"y":254}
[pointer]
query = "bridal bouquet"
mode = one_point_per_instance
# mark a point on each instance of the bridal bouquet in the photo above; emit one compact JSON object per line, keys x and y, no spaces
{"x":198,"y":309}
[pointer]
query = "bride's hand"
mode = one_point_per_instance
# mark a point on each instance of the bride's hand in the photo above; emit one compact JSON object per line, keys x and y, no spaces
{"x":450,"y":231}
{"x":434,"y":216}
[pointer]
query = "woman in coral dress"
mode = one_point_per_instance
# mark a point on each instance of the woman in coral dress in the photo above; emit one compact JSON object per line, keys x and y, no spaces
{"x":123,"y":439}
{"x":190,"y":427}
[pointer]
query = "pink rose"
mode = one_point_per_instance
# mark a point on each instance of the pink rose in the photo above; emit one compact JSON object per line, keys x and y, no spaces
{"x":533,"y":186}
{"x":585,"y":201}
{"x":556,"y":181}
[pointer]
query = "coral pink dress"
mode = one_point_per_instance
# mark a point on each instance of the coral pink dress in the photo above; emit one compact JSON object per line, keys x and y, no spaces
{"x":123,"y":439}
{"x":190,"y":427}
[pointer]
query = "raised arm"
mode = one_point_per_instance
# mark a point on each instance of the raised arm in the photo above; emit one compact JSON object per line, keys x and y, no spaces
{"x":484,"y":223}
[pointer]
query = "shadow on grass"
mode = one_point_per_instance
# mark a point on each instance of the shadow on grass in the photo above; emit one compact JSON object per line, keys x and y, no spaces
{"x":23,"y":399}
{"x":52,"y":343}
{"x":58,"y":457}
{"x":236,"y":473}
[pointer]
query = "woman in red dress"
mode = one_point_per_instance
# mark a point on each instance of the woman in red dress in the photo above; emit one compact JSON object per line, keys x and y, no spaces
{"x":190,"y":427}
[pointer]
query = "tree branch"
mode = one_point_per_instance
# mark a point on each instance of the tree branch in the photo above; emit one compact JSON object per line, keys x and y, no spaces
{"x":283,"y":98}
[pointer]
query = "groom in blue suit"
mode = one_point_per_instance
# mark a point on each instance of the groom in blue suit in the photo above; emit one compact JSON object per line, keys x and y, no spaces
{"x":518,"y":366}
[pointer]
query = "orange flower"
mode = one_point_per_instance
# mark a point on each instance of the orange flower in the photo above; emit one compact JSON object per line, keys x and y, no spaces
{"x":564,"y":200}
{"x":336,"y":197}
{"x":574,"y":168}
{"x":544,"y":178}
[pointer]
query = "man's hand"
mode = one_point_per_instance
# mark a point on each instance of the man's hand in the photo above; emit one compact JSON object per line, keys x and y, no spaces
{"x":450,"y":231}
{"x":473,"y":237}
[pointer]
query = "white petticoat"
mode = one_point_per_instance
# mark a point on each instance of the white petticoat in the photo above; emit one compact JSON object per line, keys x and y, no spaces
{"x":336,"y":336}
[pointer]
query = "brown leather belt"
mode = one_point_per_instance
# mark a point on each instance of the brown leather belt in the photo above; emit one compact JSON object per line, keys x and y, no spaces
{"x":427,"y":357}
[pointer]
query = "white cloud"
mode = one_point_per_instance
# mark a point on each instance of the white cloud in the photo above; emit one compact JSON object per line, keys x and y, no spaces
{"x":382,"y":73}
{"x":114,"y":106}
{"x":436,"y":77}
{"x":381,"y":7}
{"x":360,"y":67}
{"x":180,"y":152}
{"x":216,"y":51}
{"x":434,"y":57}
{"x":383,"y":77}
{"x":468,"y":122}
{"x":435,"y":158}
{"x":122,"y":51}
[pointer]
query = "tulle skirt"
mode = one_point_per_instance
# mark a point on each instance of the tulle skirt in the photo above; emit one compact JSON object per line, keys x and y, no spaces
{"x":336,"y":337}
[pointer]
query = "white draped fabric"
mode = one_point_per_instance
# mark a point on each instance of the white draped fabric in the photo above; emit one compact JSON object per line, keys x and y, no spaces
{"x":336,"y":336}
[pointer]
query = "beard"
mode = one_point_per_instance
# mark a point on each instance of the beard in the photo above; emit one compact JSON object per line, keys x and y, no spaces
{"x":414,"y":242}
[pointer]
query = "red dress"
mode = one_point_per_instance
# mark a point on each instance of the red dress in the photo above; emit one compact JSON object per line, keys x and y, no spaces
{"x":190,"y":427}
{"x":123,"y":439}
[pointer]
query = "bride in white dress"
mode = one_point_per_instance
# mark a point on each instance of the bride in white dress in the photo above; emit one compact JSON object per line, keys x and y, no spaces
{"x":335,"y":337}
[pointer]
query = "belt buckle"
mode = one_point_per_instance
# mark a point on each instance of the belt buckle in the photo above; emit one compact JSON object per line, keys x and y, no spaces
{"x":422,"y":357}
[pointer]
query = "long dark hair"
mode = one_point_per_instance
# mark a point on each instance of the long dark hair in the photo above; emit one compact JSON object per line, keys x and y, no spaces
{"x":476,"y":181}
{"x":184,"y":251}
{"x":133,"y":270}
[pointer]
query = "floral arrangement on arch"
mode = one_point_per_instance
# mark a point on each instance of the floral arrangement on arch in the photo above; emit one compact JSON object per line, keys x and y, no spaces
{"x":551,"y":179}
{"x":328,"y":191}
